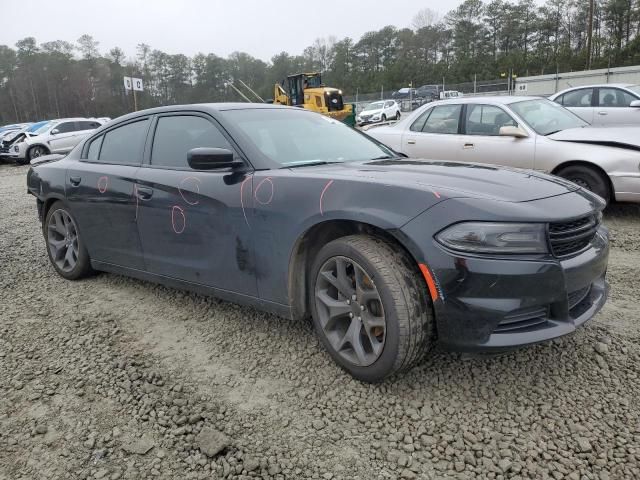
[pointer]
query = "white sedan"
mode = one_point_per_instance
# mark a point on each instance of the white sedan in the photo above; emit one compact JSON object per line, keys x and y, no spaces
{"x":524,"y":132}
{"x":603,"y":105}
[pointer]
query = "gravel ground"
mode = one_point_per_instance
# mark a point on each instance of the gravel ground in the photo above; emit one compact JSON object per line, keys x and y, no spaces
{"x":111,"y":378}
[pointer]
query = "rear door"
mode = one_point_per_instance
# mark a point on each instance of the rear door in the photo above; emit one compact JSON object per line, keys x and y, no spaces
{"x":192,"y":222}
{"x":435,"y":134}
{"x":613,"y":108}
{"x":581,"y":102}
{"x":100,"y":191}
{"x":483,"y":143}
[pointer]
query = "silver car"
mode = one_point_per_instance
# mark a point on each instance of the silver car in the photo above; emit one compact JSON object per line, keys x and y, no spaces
{"x":57,"y":136}
{"x":524,"y":132}
{"x":603,"y":105}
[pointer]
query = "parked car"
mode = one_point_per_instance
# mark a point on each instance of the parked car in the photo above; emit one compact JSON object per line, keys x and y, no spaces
{"x":603,"y":105}
{"x":16,"y":136}
{"x":379,"y":112}
{"x":523,"y":132}
{"x":300,"y":215}
{"x":428,"y":93}
{"x":404,"y":93}
{"x":57,"y":136}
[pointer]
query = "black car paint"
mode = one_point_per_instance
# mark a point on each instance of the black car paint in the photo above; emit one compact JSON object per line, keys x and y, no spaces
{"x":234,"y":233}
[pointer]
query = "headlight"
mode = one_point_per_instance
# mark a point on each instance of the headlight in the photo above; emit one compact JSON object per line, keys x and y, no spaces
{"x":491,"y":237}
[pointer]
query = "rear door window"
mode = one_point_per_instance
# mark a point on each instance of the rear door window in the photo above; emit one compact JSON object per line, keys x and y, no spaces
{"x":577,"y":98}
{"x":443,"y":119}
{"x":124,"y":145}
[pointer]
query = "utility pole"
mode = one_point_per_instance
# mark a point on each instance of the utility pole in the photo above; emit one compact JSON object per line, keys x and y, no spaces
{"x":590,"y":34}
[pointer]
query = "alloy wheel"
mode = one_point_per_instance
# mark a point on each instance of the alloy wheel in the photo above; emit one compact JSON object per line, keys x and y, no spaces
{"x":62,"y":240}
{"x":37,"y":152}
{"x":350,"y":311}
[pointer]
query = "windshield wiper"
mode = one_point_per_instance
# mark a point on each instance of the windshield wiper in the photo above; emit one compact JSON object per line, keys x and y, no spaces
{"x":382,"y":157}
{"x":551,"y":133}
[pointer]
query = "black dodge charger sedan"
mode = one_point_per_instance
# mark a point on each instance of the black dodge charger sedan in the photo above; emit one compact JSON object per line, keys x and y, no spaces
{"x":297,"y":214}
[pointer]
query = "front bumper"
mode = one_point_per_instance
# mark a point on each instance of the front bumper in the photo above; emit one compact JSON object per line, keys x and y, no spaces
{"x":493,"y":304}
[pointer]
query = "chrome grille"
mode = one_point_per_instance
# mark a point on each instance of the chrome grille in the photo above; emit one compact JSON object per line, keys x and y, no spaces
{"x":570,"y":237}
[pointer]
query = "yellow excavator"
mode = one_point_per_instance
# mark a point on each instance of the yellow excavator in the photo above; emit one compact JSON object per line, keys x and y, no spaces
{"x":306,"y":90}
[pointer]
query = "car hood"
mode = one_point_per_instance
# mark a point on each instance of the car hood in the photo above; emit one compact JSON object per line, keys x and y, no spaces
{"x":621,"y":137}
{"x":451,"y":179}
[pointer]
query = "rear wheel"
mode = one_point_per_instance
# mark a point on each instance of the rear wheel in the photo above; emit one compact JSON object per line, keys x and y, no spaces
{"x":65,"y":247}
{"x":37,"y":151}
{"x":370,"y":308}
{"x":588,"y":178}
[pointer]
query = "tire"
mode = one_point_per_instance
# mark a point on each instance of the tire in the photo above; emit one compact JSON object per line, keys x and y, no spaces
{"x":407,"y":312}
{"x":37,"y":151}
{"x":70,"y":238}
{"x":383,"y":118}
{"x":398,"y":115}
{"x":588,"y":178}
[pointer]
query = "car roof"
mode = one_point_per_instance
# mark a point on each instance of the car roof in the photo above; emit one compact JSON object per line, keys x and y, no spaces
{"x":215,"y":107}
{"x":490,"y":99}
{"x":599,"y":85}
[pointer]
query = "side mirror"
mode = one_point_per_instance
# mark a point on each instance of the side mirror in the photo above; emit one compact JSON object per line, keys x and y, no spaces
{"x":516,"y":132}
{"x":205,"y":158}
{"x":55,"y":131}
{"x":635,"y":104}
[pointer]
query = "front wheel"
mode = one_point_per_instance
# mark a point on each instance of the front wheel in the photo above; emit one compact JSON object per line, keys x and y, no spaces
{"x":398,"y":115}
{"x":65,"y":247}
{"x":370,"y":307}
{"x":384,"y":118}
{"x":37,"y":151}
{"x":588,"y":178}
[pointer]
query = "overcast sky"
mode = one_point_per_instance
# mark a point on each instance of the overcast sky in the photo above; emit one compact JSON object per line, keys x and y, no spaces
{"x":259,"y":27}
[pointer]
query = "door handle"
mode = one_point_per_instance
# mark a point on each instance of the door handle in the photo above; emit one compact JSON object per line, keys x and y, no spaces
{"x":602,"y":113}
{"x":411,"y":142}
{"x":75,"y":181}
{"x":144,"y":193}
{"x":468,"y":145}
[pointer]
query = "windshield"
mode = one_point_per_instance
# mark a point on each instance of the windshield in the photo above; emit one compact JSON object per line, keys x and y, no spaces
{"x":37,"y":126}
{"x":634,"y":89}
{"x":374,"y":106}
{"x":313,"y":81}
{"x":546,"y":117}
{"x":42,"y":129}
{"x":295,"y":137}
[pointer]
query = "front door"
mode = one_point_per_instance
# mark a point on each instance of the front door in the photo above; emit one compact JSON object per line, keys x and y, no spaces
{"x":100,"y":191}
{"x":482,"y":141}
{"x":192,"y":223}
{"x":434,"y":135}
{"x":62,"y":137}
{"x":614,"y":108}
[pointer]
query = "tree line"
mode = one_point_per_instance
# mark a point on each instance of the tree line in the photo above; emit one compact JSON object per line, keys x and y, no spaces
{"x":479,"y":39}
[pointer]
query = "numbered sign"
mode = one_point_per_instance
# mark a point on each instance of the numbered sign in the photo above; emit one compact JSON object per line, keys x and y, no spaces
{"x":128,"y":84}
{"x":521,"y":87}
{"x":137,"y":84}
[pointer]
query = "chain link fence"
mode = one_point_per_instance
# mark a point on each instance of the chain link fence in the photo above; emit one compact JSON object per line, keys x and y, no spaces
{"x":484,"y":87}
